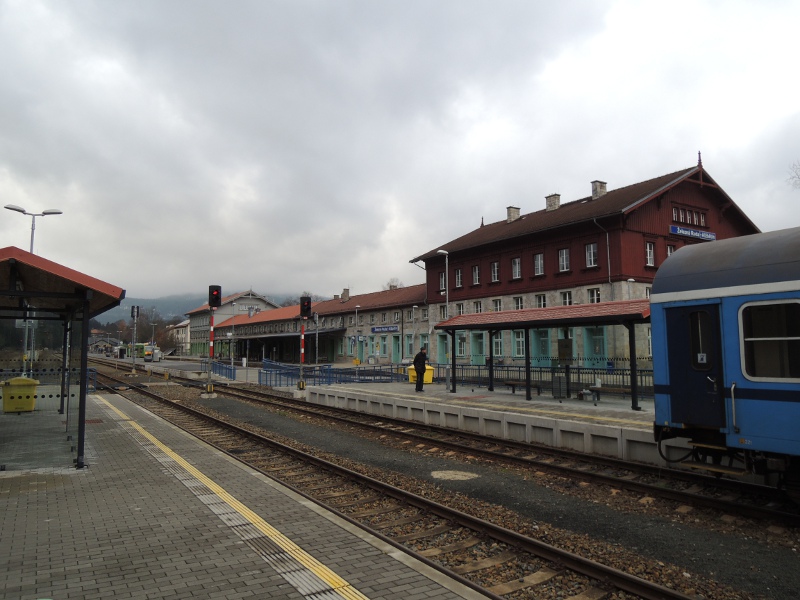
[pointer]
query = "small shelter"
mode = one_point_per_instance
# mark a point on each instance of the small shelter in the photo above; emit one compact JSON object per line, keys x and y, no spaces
{"x":35,"y":290}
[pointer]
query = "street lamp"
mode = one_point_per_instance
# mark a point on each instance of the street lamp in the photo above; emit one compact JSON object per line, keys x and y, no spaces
{"x":233,"y":330}
{"x":357,"y":355}
{"x":630,"y":281}
{"x":446,"y":307}
{"x":45,"y":213}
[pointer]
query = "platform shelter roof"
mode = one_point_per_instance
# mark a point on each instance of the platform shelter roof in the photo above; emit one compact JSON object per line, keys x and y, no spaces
{"x":50,"y":287}
{"x":601,"y":313}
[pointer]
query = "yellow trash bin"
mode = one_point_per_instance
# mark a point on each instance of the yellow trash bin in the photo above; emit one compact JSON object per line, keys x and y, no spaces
{"x":412,"y":374}
{"x":19,"y":394}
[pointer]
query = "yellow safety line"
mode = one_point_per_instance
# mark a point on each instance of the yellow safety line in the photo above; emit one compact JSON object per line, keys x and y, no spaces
{"x":341,"y":586}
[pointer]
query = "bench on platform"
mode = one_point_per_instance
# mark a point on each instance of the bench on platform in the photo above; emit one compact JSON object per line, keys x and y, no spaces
{"x":596,"y":391}
{"x":514,"y":384}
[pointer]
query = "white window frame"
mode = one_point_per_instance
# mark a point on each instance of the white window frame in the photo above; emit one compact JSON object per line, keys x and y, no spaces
{"x":650,"y":254}
{"x":538,"y":264}
{"x":495,"y":271}
{"x":459,"y":308}
{"x":519,"y":343}
{"x":594,"y":295}
{"x":441,"y":280}
{"x":540,"y":301}
{"x":563,"y":260}
{"x":566,"y":298}
{"x":591,"y":255}
{"x":477,"y":307}
{"x":497,"y":304}
{"x":476,"y":275}
{"x":516,"y":268}
{"x":459,"y":279}
{"x":518,"y":303}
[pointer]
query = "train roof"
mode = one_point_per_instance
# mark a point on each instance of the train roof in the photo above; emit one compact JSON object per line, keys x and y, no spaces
{"x":758,"y":263}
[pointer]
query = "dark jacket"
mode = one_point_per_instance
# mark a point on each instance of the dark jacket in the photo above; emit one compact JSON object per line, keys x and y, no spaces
{"x":419,"y":362}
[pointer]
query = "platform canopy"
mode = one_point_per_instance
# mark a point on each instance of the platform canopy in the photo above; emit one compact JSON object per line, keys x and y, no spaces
{"x":603,"y":313}
{"x":34,"y":289}
{"x":30,"y":280}
{"x":623,"y":312}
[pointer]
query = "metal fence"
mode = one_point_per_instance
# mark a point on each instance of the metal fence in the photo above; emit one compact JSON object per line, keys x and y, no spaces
{"x":275,"y":374}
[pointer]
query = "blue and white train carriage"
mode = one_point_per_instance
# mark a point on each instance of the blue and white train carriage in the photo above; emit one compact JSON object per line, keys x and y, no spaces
{"x":726,"y":354}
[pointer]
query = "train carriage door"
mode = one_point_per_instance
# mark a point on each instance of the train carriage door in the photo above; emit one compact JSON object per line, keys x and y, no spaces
{"x":695,"y":366}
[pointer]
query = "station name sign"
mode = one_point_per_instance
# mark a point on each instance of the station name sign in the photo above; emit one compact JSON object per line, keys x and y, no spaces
{"x":707,"y":236}
{"x":385,"y":329}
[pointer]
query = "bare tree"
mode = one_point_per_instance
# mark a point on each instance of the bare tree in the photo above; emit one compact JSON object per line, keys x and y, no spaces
{"x":393,"y":283}
{"x":794,"y":174}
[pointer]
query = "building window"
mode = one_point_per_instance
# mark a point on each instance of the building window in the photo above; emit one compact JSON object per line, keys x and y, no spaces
{"x":410,"y":315}
{"x":383,"y":317}
{"x":350,"y":320}
{"x":443,"y":312}
{"x":372,"y":319}
{"x":384,"y":346}
{"x":441,"y":281}
{"x":518,"y":303}
{"x":497,"y":305}
{"x":410,"y":344}
{"x":650,"y":254}
{"x":423,"y":314}
{"x":458,"y":278}
{"x":591,"y":255}
{"x":674,"y":213}
{"x":519,"y":343}
{"x":423,"y":341}
{"x":540,"y":300}
{"x":670,"y":249}
{"x":516,"y":268}
{"x":566,"y":298}
{"x":361,"y":319}
{"x":649,"y":342}
{"x":563,"y":260}
{"x":461,"y":344}
{"x":476,"y":275}
{"x":397,"y":316}
{"x":594,"y":295}
{"x":538,"y":264}
{"x":495,"y":272}
{"x":683,"y":216}
{"x":702,"y":219}
{"x":497,"y":345}
{"x":477,"y":307}
{"x":459,"y":308}
{"x":647,"y":292}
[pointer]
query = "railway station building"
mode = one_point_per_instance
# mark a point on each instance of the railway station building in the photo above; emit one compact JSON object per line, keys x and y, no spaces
{"x":604,"y":247}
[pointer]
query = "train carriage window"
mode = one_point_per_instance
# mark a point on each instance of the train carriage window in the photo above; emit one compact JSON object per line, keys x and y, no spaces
{"x":771,"y":340}
{"x":701,"y":340}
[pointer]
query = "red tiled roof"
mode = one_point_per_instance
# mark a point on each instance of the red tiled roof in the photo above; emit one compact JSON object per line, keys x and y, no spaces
{"x":59,"y":284}
{"x":602,"y":313}
{"x":396,"y":298}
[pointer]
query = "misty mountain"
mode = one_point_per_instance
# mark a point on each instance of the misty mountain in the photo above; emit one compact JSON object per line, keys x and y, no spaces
{"x":167,"y":307}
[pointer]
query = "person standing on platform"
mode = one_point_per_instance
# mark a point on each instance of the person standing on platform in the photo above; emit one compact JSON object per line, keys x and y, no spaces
{"x":420,"y":364}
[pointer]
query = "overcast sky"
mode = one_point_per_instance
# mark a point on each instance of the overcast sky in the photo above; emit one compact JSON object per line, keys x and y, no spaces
{"x":289,"y":146}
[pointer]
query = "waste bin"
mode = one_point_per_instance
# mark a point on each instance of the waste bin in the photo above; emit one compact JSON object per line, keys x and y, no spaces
{"x":19,"y":394}
{"x":427,"y":378}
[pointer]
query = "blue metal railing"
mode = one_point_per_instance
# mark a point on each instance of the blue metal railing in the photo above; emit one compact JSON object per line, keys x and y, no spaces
{"x":275,"y":374}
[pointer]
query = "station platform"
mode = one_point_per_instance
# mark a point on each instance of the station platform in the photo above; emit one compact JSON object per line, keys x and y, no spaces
{"x":156,"y":514}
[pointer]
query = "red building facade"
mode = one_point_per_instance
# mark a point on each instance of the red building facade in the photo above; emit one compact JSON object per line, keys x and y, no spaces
{"x":604,"y":247}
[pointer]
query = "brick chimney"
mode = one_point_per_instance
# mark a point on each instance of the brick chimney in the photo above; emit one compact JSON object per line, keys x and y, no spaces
{"x":345,"y":294}
{"x":512,"y":213}
{"x":598,"y":189}
{"x":553,"y":201}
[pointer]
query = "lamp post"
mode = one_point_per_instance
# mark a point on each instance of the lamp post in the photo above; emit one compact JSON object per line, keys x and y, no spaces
{"x":630,"y":281}
{"x":233,"y":331}
{"x":446,"y":309}
{"x":358,"y":358}
{"x":44,"y":213}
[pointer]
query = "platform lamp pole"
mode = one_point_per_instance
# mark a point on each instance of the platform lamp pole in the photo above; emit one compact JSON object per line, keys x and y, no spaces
{"x":44,"y":213}
{"x":446,"y":310}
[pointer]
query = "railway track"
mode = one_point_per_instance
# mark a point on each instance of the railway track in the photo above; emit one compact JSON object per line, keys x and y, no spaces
{"x":682,"y":487}
{"x":495,"y":560}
